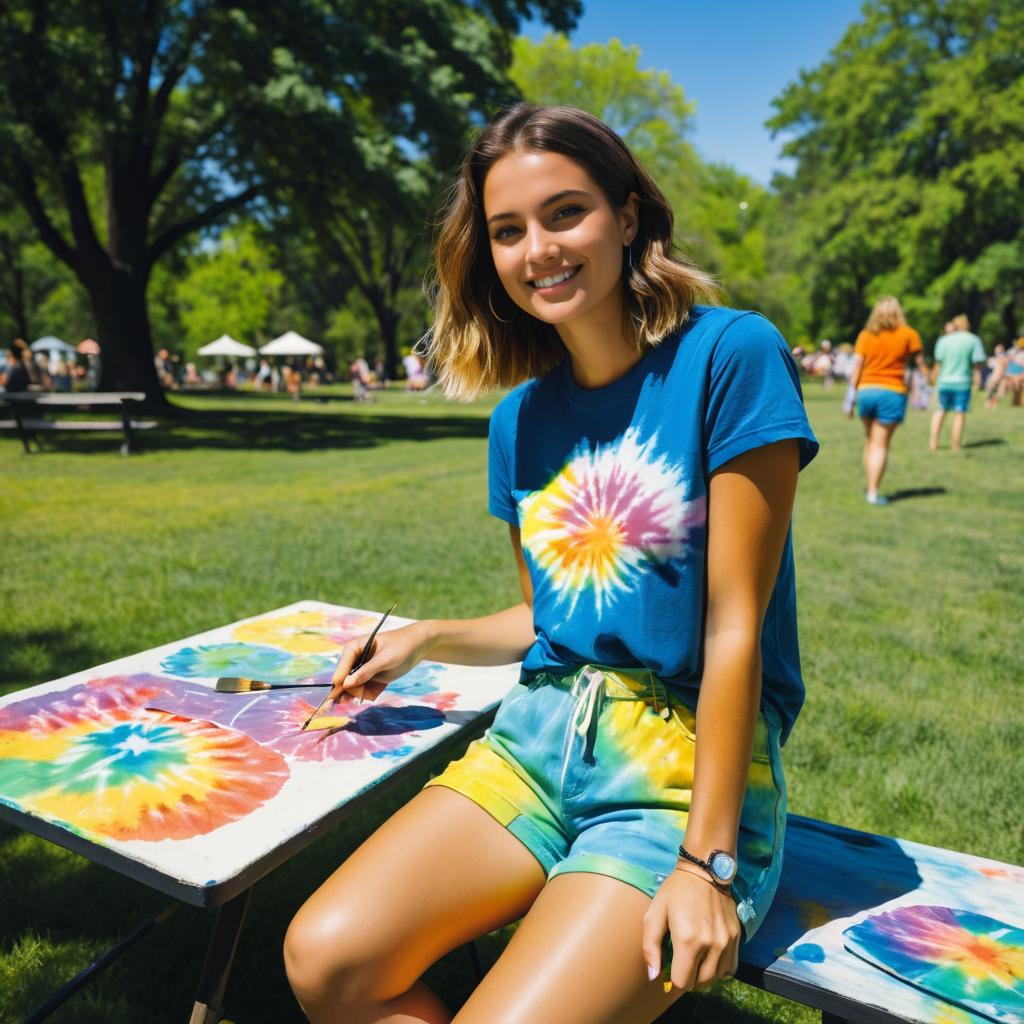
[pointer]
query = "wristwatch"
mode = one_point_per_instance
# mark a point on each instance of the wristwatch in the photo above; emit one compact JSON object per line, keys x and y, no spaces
{"x":720,"y":866}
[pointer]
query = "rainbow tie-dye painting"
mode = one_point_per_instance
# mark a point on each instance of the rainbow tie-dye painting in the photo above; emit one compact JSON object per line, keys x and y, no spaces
{"x":141,"y":764}
{"x":965,"y":958}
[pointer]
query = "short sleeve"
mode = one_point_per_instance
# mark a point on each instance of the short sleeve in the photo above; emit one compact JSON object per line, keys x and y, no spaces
{"x":978,"y":356}
{"x":940,"y":349}
{"x":860,"y":345}
{"x":913,"y":341}
{"x":754,"y":397}
{"x":500,"y":438}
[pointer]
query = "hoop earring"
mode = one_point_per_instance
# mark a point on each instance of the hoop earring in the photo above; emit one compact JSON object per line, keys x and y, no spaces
{"x":491,"y":307}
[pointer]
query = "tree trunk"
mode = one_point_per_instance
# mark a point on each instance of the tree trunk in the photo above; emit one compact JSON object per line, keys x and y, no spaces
{"x":388,"y":318}
{"x":122,"y":319}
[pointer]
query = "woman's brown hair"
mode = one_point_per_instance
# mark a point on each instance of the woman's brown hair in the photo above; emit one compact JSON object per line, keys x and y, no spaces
{"x":473,"y":347}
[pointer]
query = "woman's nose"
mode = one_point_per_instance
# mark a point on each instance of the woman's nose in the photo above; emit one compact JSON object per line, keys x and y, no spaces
{"x":541,"y":246}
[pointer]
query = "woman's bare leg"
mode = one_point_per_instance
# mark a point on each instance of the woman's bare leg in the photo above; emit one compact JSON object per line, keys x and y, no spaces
{"x":437,"y":873}
{"x":876,"y":453}
{"x":933,"y":438}
{"x":575,"y":959}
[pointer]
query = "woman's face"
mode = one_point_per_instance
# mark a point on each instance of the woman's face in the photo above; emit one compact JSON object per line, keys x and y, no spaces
{"x":556,"y":240}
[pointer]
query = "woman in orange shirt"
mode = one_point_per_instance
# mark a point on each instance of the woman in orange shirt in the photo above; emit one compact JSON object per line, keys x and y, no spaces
{"x":880,"y":358}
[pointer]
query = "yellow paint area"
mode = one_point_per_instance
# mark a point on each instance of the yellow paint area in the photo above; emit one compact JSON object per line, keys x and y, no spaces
{"x":328,"y":722}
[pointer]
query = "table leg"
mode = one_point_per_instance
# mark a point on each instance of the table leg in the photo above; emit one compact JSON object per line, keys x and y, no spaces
{"x":126,"y":417}
{"x":219,"y":955}
{"x":22,"y":430}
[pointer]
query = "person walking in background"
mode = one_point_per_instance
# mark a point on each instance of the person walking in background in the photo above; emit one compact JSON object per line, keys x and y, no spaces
{"x":959,"y":356}
{"x":879,"y":378}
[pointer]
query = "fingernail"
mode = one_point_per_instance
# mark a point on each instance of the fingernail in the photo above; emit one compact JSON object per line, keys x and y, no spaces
{"x":652,"y":972}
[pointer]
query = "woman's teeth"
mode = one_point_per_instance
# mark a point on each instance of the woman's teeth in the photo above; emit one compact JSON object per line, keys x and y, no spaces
{"x":547,"y":282}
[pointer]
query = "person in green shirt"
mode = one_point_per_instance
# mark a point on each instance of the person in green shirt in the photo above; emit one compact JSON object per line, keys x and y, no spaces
{"x":958,"y":359}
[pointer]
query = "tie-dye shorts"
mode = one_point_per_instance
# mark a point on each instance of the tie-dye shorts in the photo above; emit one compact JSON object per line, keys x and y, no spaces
{"x":594,"y":771}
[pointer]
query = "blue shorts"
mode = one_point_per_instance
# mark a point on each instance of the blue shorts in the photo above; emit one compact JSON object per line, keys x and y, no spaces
{"x":881,"y":404}
{"x":593,"y":772}
{"x":954,"y":399}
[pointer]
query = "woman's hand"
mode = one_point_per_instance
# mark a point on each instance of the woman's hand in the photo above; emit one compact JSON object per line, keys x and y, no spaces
{"x":704,"y":927}
{"x":393,"y":654}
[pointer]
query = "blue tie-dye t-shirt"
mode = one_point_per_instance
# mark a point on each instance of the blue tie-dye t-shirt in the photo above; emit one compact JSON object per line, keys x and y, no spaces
{"x":609,"y":490}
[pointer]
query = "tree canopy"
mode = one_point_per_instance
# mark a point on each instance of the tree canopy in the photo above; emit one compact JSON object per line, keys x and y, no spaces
{"x":909,"y":142}
{"x":189,"y":110}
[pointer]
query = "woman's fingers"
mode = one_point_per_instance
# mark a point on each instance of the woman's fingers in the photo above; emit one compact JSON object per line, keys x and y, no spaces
{"x":348,"y":657}
{"x":655,"y":925}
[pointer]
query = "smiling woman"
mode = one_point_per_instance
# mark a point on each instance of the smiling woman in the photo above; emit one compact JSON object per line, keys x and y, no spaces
{"x":645,"y":461}
{"x":574,"y":224}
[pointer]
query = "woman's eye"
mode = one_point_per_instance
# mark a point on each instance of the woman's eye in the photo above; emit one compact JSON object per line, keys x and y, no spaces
{"x":503,"y":233}
{"x":568,"y":211}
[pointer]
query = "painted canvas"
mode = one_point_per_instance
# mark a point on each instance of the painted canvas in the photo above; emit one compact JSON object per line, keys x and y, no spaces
{"x":144,"y":757}
{"x":968,"y":959}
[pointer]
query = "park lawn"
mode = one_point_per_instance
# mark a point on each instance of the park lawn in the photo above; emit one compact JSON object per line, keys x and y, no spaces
{"x":910,"y":627}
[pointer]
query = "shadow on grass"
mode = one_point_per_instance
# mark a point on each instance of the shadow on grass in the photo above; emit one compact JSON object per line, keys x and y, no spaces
{"x":272,"y":430}
{"x":36,"y":656}
{"x":987,"y":442}
{"x":916,"y":492}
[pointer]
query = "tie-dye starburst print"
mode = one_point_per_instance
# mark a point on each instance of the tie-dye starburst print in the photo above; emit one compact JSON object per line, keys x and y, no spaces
{"x":94,"y":758}
{"x":965,"y":958}
{"x":608,"y":514}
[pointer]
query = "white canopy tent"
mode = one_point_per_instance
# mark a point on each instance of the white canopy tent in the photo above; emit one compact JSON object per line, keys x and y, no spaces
{"x":52,"y":344}
{"x":225,"y":345}
{"x":291,"y":344}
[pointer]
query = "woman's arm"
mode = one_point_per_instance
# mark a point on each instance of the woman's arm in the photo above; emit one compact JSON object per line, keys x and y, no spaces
{"x":749,"y":509}
{"x":496,"y":639}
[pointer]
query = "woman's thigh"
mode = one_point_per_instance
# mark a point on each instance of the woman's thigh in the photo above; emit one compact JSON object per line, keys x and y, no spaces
{"x":576,"y":958}
{"x":437,"y":873}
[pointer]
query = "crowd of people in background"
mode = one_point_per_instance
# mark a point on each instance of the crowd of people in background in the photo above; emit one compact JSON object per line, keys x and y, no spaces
{"x":25,"y":370}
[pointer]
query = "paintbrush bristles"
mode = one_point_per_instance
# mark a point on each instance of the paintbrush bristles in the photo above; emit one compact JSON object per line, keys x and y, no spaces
{"x":235,"y":684}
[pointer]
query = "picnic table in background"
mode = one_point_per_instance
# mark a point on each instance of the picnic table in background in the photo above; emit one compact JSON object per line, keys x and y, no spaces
{"x":29,"y":406}
{"x":141,"y":766}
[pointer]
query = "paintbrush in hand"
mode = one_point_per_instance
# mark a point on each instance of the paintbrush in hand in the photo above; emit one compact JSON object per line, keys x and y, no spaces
{"x":364,"y":656}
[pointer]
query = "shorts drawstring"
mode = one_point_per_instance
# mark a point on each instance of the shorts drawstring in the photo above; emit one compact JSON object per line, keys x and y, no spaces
{"x":588,"y":704}
{"x":589,"y":692}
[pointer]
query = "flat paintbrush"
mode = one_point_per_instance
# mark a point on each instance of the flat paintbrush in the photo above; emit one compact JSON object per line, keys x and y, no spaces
{"x":238,"y":684}
{"x":364,"y":656}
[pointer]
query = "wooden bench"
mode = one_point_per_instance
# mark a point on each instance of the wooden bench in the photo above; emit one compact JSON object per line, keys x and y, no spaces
{"x":834,"y":878}
{"x":25,"y":403}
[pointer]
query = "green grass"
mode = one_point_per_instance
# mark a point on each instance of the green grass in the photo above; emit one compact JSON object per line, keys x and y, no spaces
{"x":910,"y":627}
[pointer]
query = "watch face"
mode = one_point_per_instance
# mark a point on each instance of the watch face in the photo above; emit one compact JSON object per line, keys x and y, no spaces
{"x":723,"y":867}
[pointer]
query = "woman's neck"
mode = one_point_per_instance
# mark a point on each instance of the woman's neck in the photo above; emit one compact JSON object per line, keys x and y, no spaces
{"x":599,"y":351}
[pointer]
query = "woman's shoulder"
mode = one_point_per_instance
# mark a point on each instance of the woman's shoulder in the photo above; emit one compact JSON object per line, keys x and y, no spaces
{"x":724,"y":332}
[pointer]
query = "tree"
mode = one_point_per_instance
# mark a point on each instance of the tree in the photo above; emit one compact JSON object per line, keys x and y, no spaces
{"x":909,"y":141}
{"x":195,"y":109}
{"x":27,"y":274}
{"x":230,"y":290}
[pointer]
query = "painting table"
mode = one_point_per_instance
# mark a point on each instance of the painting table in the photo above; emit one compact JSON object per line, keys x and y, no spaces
{"x":143,"y":767}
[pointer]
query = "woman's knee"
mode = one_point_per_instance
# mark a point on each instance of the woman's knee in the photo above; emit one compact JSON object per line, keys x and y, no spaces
{"x":331,"y":954}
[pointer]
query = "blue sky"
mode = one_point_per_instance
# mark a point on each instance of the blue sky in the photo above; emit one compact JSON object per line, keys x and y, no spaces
{"x":732,"y":57}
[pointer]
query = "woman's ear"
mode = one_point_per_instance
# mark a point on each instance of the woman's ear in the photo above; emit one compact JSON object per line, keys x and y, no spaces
{"x":629,"y":215}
